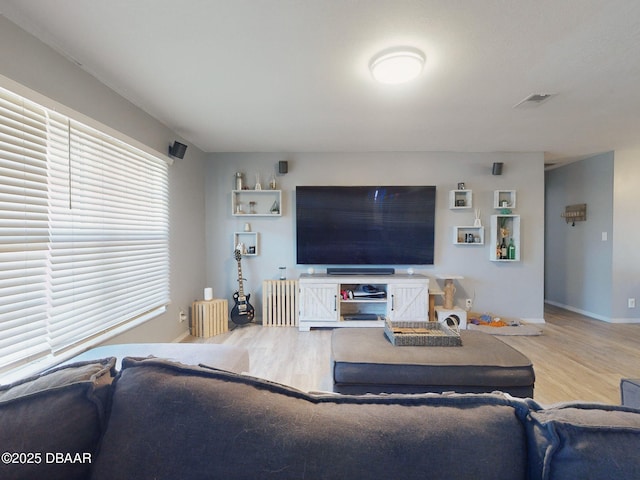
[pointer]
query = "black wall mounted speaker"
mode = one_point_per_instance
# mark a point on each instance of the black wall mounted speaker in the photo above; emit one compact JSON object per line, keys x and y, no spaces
{"x":283,"y":166}
{"x":177,"y":150}
{"x":497,"y":168}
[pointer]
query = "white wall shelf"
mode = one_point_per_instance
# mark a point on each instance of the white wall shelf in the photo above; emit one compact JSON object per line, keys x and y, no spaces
{"x":256,"y":203}
{"x":507,"y":226}
{"x":459,"y":199}
{"x":250,"y":242}
{"x":504,"y":199}
{"x":461,"y":235}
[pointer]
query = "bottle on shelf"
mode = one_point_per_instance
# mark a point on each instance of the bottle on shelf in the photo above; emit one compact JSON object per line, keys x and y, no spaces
{"x":503,"y":250}
{"x":511,"y":250}
{"x":239,"y":176}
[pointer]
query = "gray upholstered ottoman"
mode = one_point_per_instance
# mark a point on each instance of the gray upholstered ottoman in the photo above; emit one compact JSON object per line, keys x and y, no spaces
{"x":364,"y":361}
{"x":224,"y":357}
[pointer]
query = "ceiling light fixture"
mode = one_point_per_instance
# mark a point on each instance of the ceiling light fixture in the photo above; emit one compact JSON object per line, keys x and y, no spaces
{"x":397,"y":65}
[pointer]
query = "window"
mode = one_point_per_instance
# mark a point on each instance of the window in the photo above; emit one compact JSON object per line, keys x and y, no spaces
{"x":84,"y":246}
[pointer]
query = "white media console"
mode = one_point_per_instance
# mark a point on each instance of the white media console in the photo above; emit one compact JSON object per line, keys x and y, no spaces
{"x":326,"y":301}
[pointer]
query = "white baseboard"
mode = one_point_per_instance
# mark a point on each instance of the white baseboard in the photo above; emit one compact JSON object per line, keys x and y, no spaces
{"x":624,"y":320}
{"x":534,"y":320}
{"x":593,"y":315}
{"x":181,"y":337}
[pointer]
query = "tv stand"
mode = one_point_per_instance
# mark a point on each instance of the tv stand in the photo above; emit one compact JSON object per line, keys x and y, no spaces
{"x":360,"y":271}
{"x":325,"y":300}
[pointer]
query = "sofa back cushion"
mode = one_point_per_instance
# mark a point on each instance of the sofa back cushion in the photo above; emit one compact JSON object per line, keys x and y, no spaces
{"x":590,"y":441}
{"x":172,"y":421}
{"x":50,"y":424}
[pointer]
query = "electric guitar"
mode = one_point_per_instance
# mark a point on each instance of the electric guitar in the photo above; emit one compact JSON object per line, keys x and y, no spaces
{"x":242,"y":312}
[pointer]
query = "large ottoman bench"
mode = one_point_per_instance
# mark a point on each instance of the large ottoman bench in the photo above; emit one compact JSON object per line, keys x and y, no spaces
{"x":364,"y":361}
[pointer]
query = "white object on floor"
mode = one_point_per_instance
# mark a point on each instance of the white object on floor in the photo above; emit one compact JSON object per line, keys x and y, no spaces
{"x":455,"y":313}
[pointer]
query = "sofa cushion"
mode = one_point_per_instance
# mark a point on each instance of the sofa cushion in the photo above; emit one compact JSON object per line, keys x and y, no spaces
{"x":586,"y":441}
{"x":174,"y":421}
{"x":50,"y":424}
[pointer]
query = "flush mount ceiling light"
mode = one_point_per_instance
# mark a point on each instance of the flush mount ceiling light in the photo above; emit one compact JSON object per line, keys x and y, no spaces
{"x":397,"y":65}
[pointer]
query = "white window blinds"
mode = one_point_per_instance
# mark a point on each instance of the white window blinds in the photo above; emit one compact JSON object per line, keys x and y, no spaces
{"x":24,"y":234}
{"x":99,"y":256}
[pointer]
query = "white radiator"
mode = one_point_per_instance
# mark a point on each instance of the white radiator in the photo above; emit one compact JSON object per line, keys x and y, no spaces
{"x":209,"y":318}
{"x":280,"y":303}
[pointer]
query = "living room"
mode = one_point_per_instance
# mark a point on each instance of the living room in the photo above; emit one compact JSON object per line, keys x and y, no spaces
{"x":246,"y":85}
{"x":202,"y":225}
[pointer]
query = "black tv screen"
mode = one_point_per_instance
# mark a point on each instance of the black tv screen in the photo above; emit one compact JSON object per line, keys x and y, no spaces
{"x":365,"y":225}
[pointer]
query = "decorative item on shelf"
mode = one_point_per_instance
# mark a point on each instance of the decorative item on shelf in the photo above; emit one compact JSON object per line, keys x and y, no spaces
{"x":505,"y":233}
{"x":461,"y":198}
{"x":461,"y":186}
{"x":477,"y":222}
{"x":272,"y":182}
{"x":240,"y":248}
{"x":504,"y":199}
{"x":502,"y":251}
{"x":239,"y":180}
{"x":258,"y":185}
{"x":208,"y":293}
{"x":575,"y":213}
{"x":511,"y":250}
{"x":252,"y":208}
{"x":247,"y":227}
{"x":239,"y":210}
{"x":275,"y":208}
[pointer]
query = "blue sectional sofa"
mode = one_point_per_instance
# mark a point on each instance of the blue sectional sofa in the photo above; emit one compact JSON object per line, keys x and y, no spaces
{"x":157,"y":419}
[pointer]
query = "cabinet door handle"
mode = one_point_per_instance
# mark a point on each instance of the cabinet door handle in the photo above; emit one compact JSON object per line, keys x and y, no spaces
{"x":335,"y":303}
{"x":393,"y":302}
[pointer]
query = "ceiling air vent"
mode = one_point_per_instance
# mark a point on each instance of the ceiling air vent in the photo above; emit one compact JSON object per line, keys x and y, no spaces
{"x":534,"y":100}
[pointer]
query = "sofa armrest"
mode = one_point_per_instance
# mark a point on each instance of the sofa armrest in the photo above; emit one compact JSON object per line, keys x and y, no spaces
{"x":630,"y":392}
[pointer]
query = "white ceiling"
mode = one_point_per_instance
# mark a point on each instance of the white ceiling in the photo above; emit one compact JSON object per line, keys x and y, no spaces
{"x":292,"y":75}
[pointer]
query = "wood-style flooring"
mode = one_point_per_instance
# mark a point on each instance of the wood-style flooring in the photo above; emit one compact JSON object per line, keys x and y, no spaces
{"x":576,"y":357}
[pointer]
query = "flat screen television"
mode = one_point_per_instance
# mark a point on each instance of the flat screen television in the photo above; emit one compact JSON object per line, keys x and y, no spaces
{"x":365,"y":225}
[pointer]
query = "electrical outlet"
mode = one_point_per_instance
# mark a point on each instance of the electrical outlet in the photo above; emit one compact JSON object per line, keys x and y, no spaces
{"x":182,"y":316}
{"x":632,"y":303}
{"x":469,"y":303}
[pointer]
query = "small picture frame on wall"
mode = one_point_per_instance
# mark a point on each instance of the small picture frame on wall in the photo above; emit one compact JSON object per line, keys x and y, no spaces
{"x":461,"y":186}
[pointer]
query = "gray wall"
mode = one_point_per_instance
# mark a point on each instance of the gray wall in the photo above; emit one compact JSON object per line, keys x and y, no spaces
{"x":578,"y":264}
{"x":510,"y":290}
{"x":26,"y":60}
{"x":584,"y":273}
{"x":626,"y":235}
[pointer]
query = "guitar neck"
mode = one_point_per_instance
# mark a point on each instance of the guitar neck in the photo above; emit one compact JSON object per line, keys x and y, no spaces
{"x":240,"y":283}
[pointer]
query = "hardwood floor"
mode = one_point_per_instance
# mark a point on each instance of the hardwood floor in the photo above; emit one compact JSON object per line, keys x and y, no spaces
{"x":576,"y":357}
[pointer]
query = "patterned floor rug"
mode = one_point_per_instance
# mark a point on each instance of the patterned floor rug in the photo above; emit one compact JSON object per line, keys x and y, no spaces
{"x":521,"y":329}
